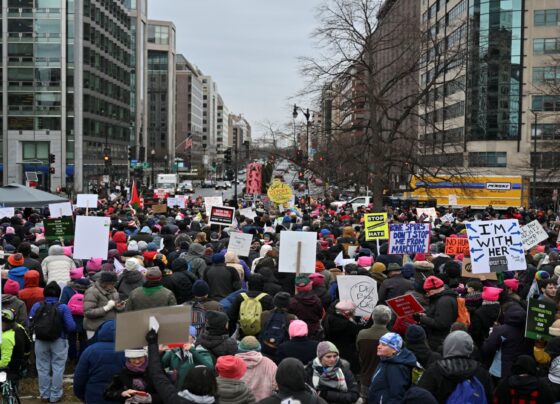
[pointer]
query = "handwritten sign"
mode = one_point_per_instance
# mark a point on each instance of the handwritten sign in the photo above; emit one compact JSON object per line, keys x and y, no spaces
{"x":447,"y":218}
{"x":429,"y":214}
{"x":466,"y":272}
{"x":452,"y":200}
{"x":222,"y":215}
{"x":254,"y":179}
{"x":288,"y":251}
{"x":361,"y":290}
{"x":7,"y":212}
{"x":279,"y":192}
{"x":532,"y":234}
{"x":409,"y":238}
{"x":160,"y":208}
{"x":210,"y":201}
{"x":60,"y":209}
{"x":456,"y":245}
{"x":540,"y":316}
{"x":86,"y":201}
{"x":172,"y":202}
{"x":376,"y":226}
{"x":240,"y":243}
{"x":404,"y":305}
{"x":496,"y":246}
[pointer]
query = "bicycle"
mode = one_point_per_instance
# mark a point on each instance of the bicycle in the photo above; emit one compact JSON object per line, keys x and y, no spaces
{"x":8,"y":390}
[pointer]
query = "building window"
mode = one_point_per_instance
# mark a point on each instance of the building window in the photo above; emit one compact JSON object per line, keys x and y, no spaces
{"x":549,"y":103}
{"x":488,"y":159}
{"x":35,"y":150}
{"x":546,"y":46}
{"x":547,"y":17}
{"x":545,"y":160}
{"x":546,"y":131}
{"x":546,"y":75}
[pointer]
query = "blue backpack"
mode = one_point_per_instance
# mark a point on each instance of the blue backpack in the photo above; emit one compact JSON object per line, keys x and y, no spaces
{"x":470,"y":391}
{"x":276,"y":331}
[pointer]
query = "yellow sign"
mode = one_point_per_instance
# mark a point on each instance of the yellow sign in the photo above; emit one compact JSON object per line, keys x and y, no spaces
{"x":376,"y":226}
{"x":279,"y":192}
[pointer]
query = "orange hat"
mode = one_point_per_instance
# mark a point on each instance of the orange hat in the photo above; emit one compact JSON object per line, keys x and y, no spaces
{"x":16,"y":260}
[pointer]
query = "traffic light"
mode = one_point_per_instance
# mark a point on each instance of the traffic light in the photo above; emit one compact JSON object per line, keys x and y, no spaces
{"x":299,"y":156}
{"x":301,"y":175}
{"x":107,"y":156}
{"x":51,"y":158}
{"x":51,"y":170}
{"x":227,"y":155}
{"x":129,"y":153}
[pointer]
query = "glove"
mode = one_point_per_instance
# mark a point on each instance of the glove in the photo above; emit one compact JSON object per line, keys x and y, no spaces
{"x":152,"y":337}
{"x":416,"y":317}
{"x":109,"y":306}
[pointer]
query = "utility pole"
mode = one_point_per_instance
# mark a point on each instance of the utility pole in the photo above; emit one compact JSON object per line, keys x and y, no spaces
{"x":235,"y":151}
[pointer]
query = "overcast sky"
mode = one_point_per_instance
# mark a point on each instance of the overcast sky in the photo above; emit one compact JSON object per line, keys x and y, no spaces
{"x":249,"y":47}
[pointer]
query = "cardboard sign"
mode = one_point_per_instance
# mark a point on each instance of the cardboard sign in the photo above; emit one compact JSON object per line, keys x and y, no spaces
{"x":172,"y":202}
{"x":456,"y":245}
{"x":210,"y":201}
{"x":222,"y":216}
{"x":254,"y":179}
{"x":496,"y":246}
{"x":60,"y":228}
{"x":404,"y":305}
{"x":173,"y":323}
{"x":60,"y":209}
{"x":409,"y":238}
{"x":279,"y":192}
{"x":87,"y":201}
{"x":160,"y":208}
{"x":7,"y":212}
{"x":376,"y":226}
{"x":288,"y":251}
{"x":361,"y":290}
{"x":92,"y":237}
{"x":240,"y":243}
{"x":540,"y":316}
{"x":466,"y":272}
{"x":532,"y":234}
{"x":429,"y":214}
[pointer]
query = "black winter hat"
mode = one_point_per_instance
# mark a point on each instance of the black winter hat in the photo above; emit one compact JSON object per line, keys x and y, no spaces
{"x":108,"y":277}
{"x":200,"y":288}
{"x":415,"y":334}
{"x":281,"y":300}
{"x":216,"y":322}
{"x":452,"y":269}
{"x":179,"y":264}
{"x":52,"y":290}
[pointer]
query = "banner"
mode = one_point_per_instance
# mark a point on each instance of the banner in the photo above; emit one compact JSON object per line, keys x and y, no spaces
{"x":222,"y":215}
{"x":60,"y":228}
{"x":60,"y":209}
{"x":466,"y":272}
{"x":240,"y":243}
{"x":532,"y":234}
{"x":404,"y":305}
{"x":409,"y":238}
{"x":86,"y":201}
{"x":91,"y":237}
{"x":457,"y":245}
{"x":540,"y":316}
{"x":376,"y":226}
{"x":361,"y":290}
{"x":288,"y":251}
{"x":496,"y":246}
{"x":254,"y":179}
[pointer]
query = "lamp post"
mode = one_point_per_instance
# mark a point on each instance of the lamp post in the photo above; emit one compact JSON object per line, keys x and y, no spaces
{"x":534,"y":160}
{"x":153,"y":156}
{"x":307,"y":116}
{"x":166,"y":158}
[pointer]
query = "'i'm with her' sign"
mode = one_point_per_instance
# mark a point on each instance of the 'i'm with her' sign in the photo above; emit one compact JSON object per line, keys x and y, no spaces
{"x":496,"y":246}
{"x":410,"y":238}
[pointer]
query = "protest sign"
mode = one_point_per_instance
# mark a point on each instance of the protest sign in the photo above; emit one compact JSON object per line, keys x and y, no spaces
{"x":288,"y":260}
{"x":172,"y":202}
{"x":174,"y":322}
{"x":7,"y":212}
{"x":496,"y":246}
{"x":60,"y":228}
{"x":532,"y":234}
{"x":447,"y":218}
{"x":404,"y":305}
{"x":160,"y":208}
{"x":466,"y":272}
{"x":376,"y":226}
{"x":92,"y":237}
{"x":279,"y":192}
{"x":352,"y":249}
{"x":452,"y":200}
{"x":240,"y":243}
{"x":160,"y":192}
{"x":340,"y":261}
{"x":60,"y":209}
{"x":361,"y":290}
{"x":409,"y":238}
{"x":118,"y":266}
{"x":222,"y":216}
{"x":540,"y":316}
{"x":86,"y":201}
{"x":248,"y":213}
{"x":210,"y":201}
{"x":429,"y":214}
{"x":456,"y":245}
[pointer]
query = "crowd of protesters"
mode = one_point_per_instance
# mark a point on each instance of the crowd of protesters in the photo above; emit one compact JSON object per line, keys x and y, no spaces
{"x":259,"y":334}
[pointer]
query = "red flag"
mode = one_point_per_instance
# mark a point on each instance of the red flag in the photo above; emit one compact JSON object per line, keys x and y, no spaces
{"x":135,"y":201}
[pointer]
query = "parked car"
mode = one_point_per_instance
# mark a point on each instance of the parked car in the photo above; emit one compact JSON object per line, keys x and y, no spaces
{"x":220,"y":185}
{"x":186,"y":187}
{"x":207,"y":184}
{"x":228,"y":184}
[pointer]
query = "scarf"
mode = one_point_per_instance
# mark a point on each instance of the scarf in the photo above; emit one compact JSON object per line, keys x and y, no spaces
{"x":151,"y":287}
{"x":138,"y":383}
{"x":332,"y":377}
{"x":187,"y":395}
{"x":554,"y":371}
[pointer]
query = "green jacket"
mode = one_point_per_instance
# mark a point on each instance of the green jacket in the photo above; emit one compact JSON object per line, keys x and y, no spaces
{"x":181,"y":362}
{"x":7,"y":347}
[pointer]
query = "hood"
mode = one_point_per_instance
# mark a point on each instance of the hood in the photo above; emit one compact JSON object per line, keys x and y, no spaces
{"x":231,"y":258}
{"x":210,"y":342}
{"x":31,"y":279}
{"x":405,"y":357}
{"x":18,"y":271}
{"x":232,"y":391}
{"x":515,"y":316}
{"x":56,"y":250}
{"x":458,"y":343}
{"x":196,"y":250}
{"x":446,"y":292}
{"x":290,"y":375}
{"x":457,"y":369}
{"x":132,"y":276}
{"x":264,"y":249}
{"x":119,"y":237}
{"x":106,"y":332}
{"x":523,"y":384}
{"x":251,"y":359}
{"x":8,"y":299}
{"x":307,"y":298}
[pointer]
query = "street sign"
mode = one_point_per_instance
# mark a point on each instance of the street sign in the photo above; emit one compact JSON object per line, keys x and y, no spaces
{"x":376,"y":226}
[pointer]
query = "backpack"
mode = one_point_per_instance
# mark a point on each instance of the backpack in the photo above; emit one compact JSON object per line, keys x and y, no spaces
{"x":469,"y":391}
{"x":528,"y":398}
{"x":250,"y":314}
{"x":76,"y":304}
{"x":198,"y":317}
{"x":463,"y":315}
{"x":27,"y":348}
{"x":47,"y":322}
{"x":417,"y":372}
{"x":276,"y":331}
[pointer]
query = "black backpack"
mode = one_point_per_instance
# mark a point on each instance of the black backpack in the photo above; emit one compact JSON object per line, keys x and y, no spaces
{"x":276,"y":331}
{"x":47,"y":322}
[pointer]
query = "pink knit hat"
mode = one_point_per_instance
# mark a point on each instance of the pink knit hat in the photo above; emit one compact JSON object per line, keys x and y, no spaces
{"x":490,"y":293}
{"x":94,"y":264}
{"x":365,"y":261}
{"x":67,"y":251}
{"x":77,"y":273}
{"x":317,"y":278}
{"x":11,"y":287}
{"x":345,"y":305}
{"x":540,"y":248}
{"x":297,"y":328}
{"x":513,"y":284}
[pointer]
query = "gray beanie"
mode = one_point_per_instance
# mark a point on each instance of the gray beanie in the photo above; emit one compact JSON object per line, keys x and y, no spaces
{"x":458,"y":343}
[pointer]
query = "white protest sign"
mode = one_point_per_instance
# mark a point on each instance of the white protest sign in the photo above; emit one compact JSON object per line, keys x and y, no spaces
{"x":87,"y":201}
{"x":340,"y":261}
{"x":240,"y":243}
{"x":361,"y":290}
{"x":429,"y":213}
{"x":452,"y":200}
{"x":210,"y":201}
{"x":288,"y":251}
{"x":352,"y":250}
{"x":7,"y":212}
{"x":172,"y":202}
{"x":118,"y":266}
{"x":248,"y":213}
{"x":447,"y":218}
{"x":91,"y":237}
{"x":409,"y":238}
{"x":532,"y":234}
{"x":60,"y":209}
{"x":496,"y":246}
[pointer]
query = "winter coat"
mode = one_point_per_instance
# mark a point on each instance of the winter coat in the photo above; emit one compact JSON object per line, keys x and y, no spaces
{"x":97,"y":365}
{"x":180,"y":283}
{"x":180,"y":363}
{"x":443,"y":376}
{"x":323,"y":294}
{"x":392,"y":378}
{"x":333,"y":396}
{"x":217,"y":345}
{"x":260,"y":374}
{"x":94,"y":299}
{"x":343,"y":332}
{"x":509,"y":338}
{"x":145,"y":298}
{"x":441,"y":313}
{"x":31,"y":293}
{"x":56,"y":267}
{"x":516,"y":386}
{"x":366,"y":344}
{"x":68,"y":324}
{"x":120,"y":239}
{"x":393,"y":286}
{"x":482,"y":320}
{"x":266,"y":304}
{"x":17,"y":306}
{"x":424,"y":355}
{"x":231,"y":391}
{"x":17,"y":274}
{"x":307,"y":307}
{"x":124,"y":381}
{"x":301,"y":348}
{"x":222,"y":280}
{"x":195,"y":260}
{"x":128,"y":281}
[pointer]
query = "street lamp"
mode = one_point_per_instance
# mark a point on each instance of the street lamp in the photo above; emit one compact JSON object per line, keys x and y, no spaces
{"x":166,"y":158}
{"x":153,"y":156}
{"x":307,"y":116}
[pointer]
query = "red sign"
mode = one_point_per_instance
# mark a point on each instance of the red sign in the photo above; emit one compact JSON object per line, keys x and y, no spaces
{"x":254,"y":179}
{"x":405,"y":305}
{"x":457,"y":245}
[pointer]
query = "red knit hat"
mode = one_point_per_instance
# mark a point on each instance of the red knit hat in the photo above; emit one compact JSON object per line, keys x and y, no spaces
{"x":432,"y":282}
{"x":231,"y":367}
{"x":513,"y":284}
{"x":16,"y":260}
{"x":490,"y":293}
{"x":11,"y":287}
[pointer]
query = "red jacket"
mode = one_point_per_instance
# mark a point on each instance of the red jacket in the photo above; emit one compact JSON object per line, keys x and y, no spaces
{"x":31,"y":292}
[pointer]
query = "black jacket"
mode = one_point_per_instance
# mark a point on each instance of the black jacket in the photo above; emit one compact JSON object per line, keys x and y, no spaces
{"x":393,"y":286}
{"x":343,"y":332}
{"x":482,"y":320}
{"x":301,"y":348}
{"x":424,"y":355}
{"x":441,"y":313}
{"x":515,"y":387}
{"x":123,"y":381}
{"x":222,"y":280}
{"x":218,"y":345}
{"x":180,"y":283}
{"x":333,"y":396}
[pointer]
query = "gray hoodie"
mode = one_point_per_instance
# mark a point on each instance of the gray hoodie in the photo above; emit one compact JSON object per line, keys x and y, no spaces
{"x":458,"y":343}
{"x":195,"y":262}
{"x":232,"y":391}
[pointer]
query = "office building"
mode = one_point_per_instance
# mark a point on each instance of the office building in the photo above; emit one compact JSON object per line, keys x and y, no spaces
{"x":209,"y":117}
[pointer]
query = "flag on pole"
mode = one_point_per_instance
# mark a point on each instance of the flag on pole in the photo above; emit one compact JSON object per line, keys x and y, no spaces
{"x":135,"y":201}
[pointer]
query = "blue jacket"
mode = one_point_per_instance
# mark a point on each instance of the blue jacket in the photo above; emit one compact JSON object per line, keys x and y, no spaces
{"x":392,"y":378}
{"x":68,"y":322}
{"x":16,"y":274}
{"x":97,"y":365}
